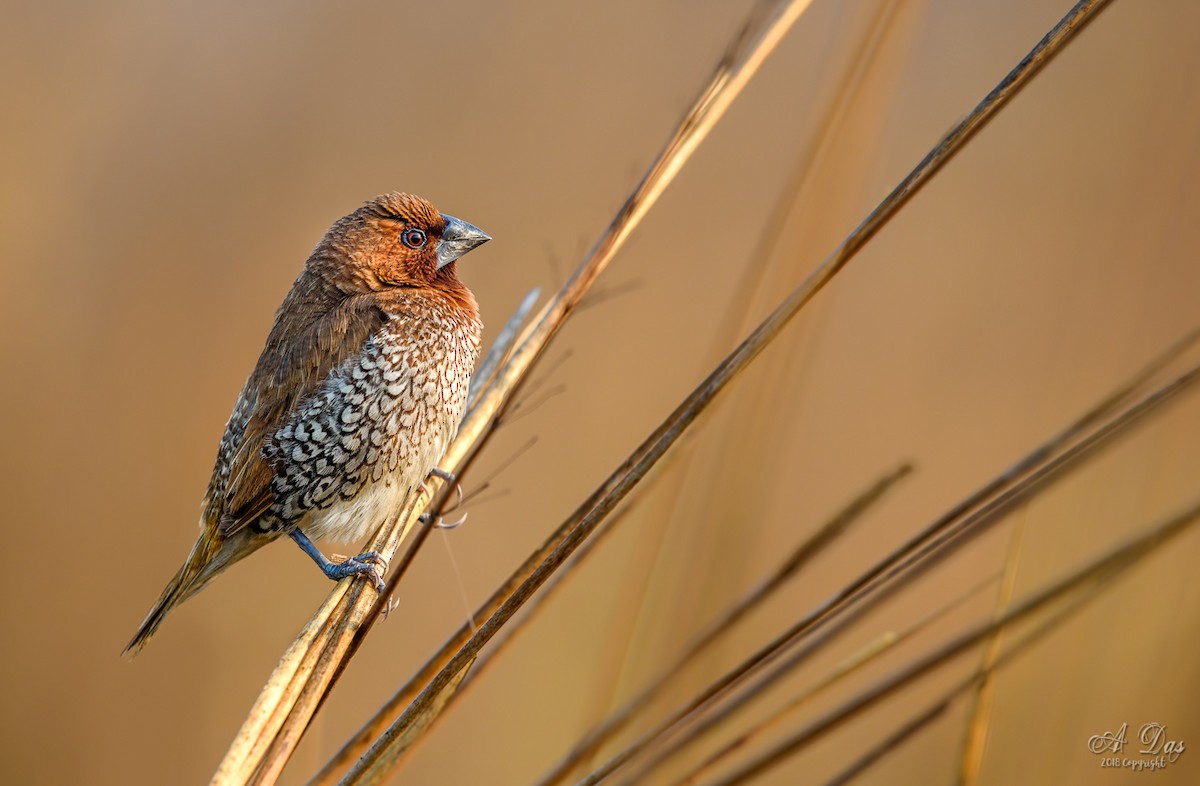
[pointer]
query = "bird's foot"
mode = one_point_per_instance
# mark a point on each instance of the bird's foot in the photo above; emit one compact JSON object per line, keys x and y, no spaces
{"x":369,"y":564}
{"x":438,"y":472}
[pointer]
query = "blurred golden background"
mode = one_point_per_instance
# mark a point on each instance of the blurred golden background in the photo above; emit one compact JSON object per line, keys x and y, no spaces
{"x":168,"y":166}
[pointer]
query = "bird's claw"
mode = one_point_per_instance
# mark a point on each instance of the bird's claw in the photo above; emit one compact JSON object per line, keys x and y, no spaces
{"x":443,"y":524}
{"x":427,"y":518}
{"x":373,"y":557}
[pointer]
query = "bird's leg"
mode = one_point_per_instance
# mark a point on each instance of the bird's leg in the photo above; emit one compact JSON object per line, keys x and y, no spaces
{"x":363,"y":563}
{"x":438,"y":472}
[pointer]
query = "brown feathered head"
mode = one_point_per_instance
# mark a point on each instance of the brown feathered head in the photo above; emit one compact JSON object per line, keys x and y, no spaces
{"x":397,"y":240}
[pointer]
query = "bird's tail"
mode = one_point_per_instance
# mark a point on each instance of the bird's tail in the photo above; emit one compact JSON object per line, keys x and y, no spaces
{"x":183,"y":586}
{"x":209,"y":556}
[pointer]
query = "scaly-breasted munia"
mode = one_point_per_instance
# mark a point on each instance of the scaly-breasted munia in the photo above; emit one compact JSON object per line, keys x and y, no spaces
{"x":356,"y":396}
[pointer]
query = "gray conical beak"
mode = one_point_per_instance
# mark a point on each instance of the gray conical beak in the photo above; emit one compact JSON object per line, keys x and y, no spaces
{"x":458,"y":238}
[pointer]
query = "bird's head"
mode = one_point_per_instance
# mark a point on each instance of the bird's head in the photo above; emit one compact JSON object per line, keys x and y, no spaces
{"x":397,"y":240}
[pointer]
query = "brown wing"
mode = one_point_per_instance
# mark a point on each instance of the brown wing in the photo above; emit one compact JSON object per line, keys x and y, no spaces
{"x":306,"y":343}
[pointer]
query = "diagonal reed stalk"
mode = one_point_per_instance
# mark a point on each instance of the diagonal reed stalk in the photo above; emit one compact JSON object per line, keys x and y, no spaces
{"x":1112,"y":564}
{"x":975,"y":738}
{"x":802,"y":555}
{"x":967,"y":519}
{"x":892,"y":742}
{"x":869,"y":653}
{"x":1033,"y":474}
{"x":984,"y":672}
{"x":385,"y":753}
{"x":313,"y":662}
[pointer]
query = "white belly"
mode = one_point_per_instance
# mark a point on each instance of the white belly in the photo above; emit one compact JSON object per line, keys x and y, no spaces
{"x":353,"y":520}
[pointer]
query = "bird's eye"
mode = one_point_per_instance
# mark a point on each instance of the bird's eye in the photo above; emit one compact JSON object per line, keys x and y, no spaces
{"x":413,"y":237}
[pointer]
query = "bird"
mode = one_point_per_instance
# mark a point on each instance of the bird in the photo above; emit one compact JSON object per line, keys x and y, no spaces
{"x":357,"y":394}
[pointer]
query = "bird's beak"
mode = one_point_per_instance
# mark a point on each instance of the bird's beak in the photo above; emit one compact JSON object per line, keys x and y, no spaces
{"x":458,"y":238}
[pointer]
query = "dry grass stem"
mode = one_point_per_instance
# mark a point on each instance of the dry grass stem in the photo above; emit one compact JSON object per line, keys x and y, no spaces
{"x":890,"y":743}
{"x":296,"y":687}
{"x":831,"y":127}
{"x":882,"y":644}
{"x":1033,"y":474}
{"x":985,"y":672}
{"x":723,"y":623}
{"x":1099,"y":574}
{"x":749,"y":50}
{"x":975,"y":739}
{"x":501,"y":348}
